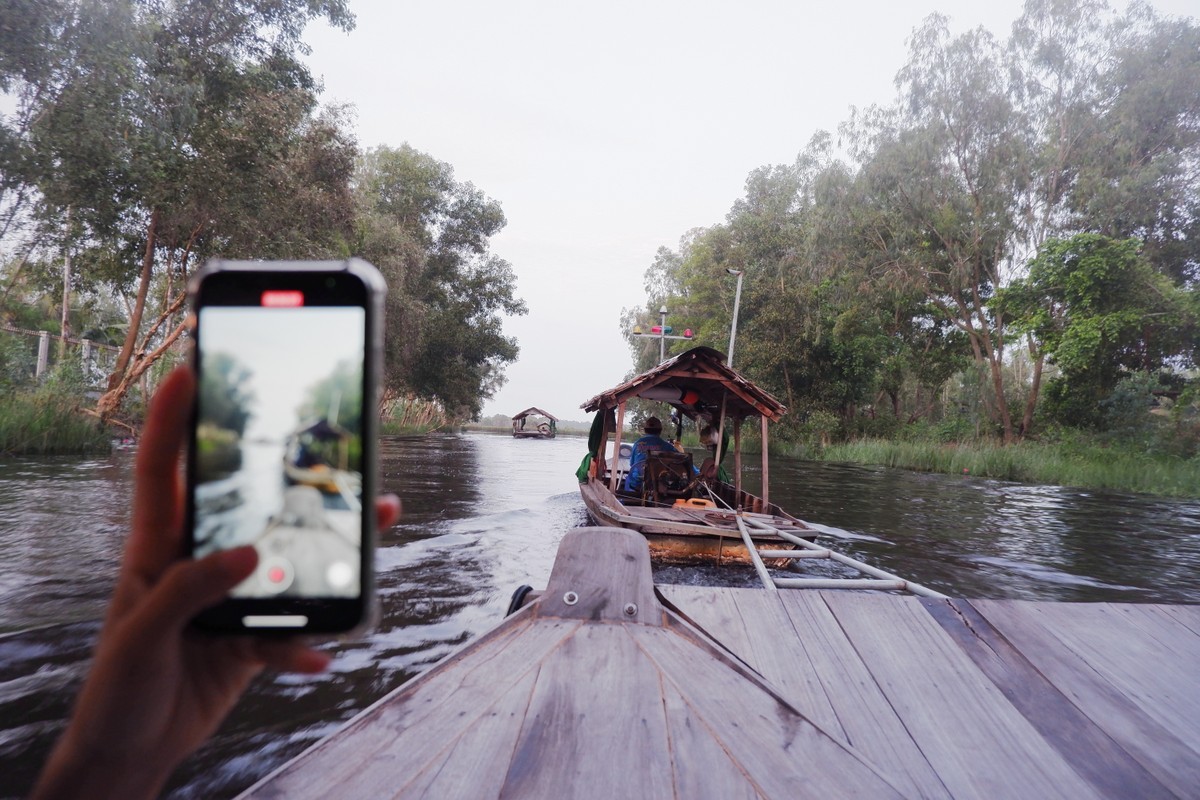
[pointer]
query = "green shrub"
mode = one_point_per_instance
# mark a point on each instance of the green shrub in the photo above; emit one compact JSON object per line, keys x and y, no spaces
{"x":45,"y":423}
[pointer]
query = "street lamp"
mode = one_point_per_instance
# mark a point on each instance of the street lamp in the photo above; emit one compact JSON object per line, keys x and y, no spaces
{"x":737,"y":299}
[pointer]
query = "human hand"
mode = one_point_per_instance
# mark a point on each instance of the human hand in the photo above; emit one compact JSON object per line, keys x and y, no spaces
{"x":156,"y":689}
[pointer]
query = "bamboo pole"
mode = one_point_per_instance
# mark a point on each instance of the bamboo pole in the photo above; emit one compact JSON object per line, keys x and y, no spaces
{"x":759,"y":567}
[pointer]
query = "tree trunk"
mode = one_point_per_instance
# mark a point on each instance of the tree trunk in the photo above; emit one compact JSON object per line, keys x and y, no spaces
{"x":135,"y":318}
{"x":65,"y":326}
{"x":1034,"y":389}
{"x":108,"y":404}
{"x":1001,"y":402}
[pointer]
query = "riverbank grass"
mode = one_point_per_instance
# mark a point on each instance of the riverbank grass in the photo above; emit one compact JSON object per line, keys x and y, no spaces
{"x":1091,"y":466}
{"x":43,"y":424}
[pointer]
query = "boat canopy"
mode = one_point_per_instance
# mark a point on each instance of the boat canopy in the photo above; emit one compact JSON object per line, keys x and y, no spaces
{"x":324,"y":430}
{"x":527,"y":412}
{"x":698,"y":384}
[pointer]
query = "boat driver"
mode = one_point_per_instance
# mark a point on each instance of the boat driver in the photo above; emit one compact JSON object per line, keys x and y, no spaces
{"x":651,"y":441}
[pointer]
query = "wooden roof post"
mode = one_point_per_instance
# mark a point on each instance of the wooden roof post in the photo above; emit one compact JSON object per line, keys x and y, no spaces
{"x":721,"y":427}
{"x":766,"y":498}
{"x":612,"y":482}
{"x":737,"y":457}
{"x":600,"y":462}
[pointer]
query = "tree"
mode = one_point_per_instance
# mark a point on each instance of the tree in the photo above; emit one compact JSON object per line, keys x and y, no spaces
{"x":225,"y":393}
{"x":1140,"y":170}
{"x":1099,"y":310}
{"x":173,"y":132}
{"x":429,"y":235}
{"x":340,"y":391}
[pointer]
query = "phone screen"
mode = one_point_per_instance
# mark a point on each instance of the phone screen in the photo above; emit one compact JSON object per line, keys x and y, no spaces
{"x":280,"y":447}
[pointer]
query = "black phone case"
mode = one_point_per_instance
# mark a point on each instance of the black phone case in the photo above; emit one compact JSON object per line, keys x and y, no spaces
{"x":241,"y":283}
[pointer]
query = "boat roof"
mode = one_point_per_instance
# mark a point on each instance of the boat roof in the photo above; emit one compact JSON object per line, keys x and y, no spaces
{"x":534,"y":410}
{"x":325,"y":430}
{"x":695,"y":382}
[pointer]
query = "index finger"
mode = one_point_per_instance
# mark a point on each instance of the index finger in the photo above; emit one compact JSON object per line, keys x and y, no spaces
{"x":156,"y":539}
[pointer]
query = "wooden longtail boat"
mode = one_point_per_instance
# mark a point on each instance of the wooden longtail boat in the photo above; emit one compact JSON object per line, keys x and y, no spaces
{"x":592,"y":690}
{"x":687,"y":515}
{"x":533,"y":423}
{"x":317,"y":456}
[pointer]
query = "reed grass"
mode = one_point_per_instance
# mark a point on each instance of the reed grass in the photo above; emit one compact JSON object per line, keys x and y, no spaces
{"x":41,"y":423}
{"x":1084,"y":466}
{"x":411,"y":415}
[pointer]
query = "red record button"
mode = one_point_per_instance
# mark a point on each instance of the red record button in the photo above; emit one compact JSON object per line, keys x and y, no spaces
{"x":283,"y":298}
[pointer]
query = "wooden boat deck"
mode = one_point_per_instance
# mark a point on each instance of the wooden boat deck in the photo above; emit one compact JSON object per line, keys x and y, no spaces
{"x":598,"y":690}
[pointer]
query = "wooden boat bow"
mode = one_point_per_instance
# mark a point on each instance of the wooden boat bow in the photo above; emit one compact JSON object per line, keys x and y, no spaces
{"x":593,"y":690}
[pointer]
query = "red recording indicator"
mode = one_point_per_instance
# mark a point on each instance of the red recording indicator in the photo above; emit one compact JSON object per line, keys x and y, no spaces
{"x":283,"y":298}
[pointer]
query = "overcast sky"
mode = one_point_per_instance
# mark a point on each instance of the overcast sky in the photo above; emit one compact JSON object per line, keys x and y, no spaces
{"x":287,"y":351}
{"x":610,"y":130}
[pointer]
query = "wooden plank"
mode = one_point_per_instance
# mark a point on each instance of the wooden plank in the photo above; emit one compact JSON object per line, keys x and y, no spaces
{"x":601,"y":574}
{"x":409,"y":727}
{"x":870,"y":723}
{"x":1060,"y":656}
{"x":759,"y":631}
{"x":1188,"y":616}
{"x":700,"y":765}
{"x":971,"y":735}
{"x":474,"y":763}
{"x":781,"y":751}
{"x":596,"y":726}
{"x":714,"y":612}
{"x":1095,"y":755}
{"x":1126,"y":653}
{"x":1170,"y":634}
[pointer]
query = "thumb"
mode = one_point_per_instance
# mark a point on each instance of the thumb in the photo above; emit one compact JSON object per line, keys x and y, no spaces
{"x":189,"y":587}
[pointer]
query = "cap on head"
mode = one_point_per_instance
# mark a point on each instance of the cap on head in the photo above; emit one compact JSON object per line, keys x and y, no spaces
{"x":653,"y":425}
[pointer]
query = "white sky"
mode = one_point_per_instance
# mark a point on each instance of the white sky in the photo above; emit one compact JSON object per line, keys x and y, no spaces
{"x":608,"y":130}
{"x":286,"y":351}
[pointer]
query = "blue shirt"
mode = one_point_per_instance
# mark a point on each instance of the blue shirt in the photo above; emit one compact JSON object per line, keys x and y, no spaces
{"x":637,"y":461}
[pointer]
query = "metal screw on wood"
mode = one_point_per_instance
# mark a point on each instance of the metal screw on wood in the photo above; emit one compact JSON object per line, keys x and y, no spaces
{"x":630,"y":609}
{"x":570,"y":598}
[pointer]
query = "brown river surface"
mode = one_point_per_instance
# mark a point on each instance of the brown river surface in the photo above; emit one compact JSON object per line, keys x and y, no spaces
{"x":484,"y":514}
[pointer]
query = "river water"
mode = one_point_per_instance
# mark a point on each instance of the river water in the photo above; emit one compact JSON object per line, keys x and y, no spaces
{"x":483,"y":514}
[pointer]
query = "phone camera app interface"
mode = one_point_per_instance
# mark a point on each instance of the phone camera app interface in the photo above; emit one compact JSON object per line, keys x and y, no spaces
{"x":279,"y":444}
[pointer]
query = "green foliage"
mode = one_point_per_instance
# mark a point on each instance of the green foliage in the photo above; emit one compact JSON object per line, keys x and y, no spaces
{"x":1096,"y":303}
{"x":337,"y":397}
{"x":1089,"y":465}
{"x":1126,"y":410}
{"x":429,"y":235}
{"x":46,"y":421}
{"x":18,"y":362}
{"x":153,"y":136}
{"x":1099,"y":310}
{"x":225,"y":394}
{"x":899,"y":283}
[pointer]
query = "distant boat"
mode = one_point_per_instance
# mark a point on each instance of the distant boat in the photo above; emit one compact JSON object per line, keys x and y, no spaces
{"x":533,"y":423}
{"x":687,"y":515}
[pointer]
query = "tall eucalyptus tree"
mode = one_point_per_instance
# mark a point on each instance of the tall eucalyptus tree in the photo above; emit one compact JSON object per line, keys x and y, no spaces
{"x":175,"y":131}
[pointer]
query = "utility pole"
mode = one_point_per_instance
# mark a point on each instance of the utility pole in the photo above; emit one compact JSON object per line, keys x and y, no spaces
{"x":737,"y":300}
